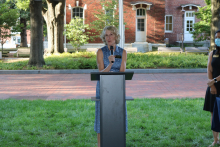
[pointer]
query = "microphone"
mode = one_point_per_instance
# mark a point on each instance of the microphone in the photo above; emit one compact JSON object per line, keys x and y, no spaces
{"x":111,"y":49}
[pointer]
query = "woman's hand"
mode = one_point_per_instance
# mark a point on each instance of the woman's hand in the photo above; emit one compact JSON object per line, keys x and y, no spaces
{"x":210,"y":82}
{"x":213,"y":89}
{"x":111,"y":58}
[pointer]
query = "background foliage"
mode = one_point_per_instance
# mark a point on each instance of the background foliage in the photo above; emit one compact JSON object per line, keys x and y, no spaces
{"x":8,"y":18}
{"x":202,"y":29}
{"x":106,"y":16}
{"x":87,"y":60}
{"x":76,"y":32}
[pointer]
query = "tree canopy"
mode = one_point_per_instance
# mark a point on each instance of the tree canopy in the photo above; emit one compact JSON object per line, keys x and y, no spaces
{"x":105,"y":17}
{"x":202,"y":29}
{"x":8,"y":18}
{"x":23,"y":4}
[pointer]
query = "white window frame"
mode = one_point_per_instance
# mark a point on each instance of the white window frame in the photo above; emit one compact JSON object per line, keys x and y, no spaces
{"x":83,"y":13}
{"x":138,"y":33}
{"x":189,"y":18}
{"x":190,"y":12}
{"x":141,"y":17}
{"x":168,"y":31}
{"x":113,"y":14}
{"x":115,"y":7}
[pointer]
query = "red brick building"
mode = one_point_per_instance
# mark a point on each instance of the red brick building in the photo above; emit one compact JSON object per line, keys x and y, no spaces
{"x":179,"y":18}
{"x":148,"y":21}
{"x":144,"y":19}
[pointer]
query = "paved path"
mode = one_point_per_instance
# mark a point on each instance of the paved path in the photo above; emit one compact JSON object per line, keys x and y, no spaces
{"x":79,"y":86}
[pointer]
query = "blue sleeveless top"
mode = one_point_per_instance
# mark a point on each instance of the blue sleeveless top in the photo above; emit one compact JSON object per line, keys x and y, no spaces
{"x":106,"y":53}
{"x":115,"y":67}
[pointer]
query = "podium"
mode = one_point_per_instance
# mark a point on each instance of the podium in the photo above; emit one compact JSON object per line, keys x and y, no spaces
{"x":112,"y":107}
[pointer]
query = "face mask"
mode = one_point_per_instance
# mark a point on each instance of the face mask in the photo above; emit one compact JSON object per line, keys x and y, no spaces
{"x":217,"y":41}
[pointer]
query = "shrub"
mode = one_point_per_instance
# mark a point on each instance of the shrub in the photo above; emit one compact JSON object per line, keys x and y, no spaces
{"x":76,"y":33}
{"x":87,"y":60}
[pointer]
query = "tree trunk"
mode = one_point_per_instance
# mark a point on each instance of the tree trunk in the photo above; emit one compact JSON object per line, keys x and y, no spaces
{"x":215,"y":21}
{"x":54,"y":17}
{"x":59,"y":13}
{"x":23,"y":33}
{"x":36,"y":49}
{"x":1,"y":39}
{"x":61,"y":30}
{"x":2,"y":48}
{"x":49,"y":17}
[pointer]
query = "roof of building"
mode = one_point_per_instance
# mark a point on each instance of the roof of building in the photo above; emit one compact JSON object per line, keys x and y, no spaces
{"x":140,"y":2}
{"x":188,"y":5}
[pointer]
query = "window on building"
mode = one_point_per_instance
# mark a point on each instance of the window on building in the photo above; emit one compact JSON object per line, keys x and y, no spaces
{"x":140,"y":24}
{"x":19,"y":40}
{"x":189,"y":14}
{"x":110,"y":15}
{"x":189,"y":25}
{"x":141,"y":15}
{"x":77,"y":12}
{"x":168,"y":23}
{"x":140,"y":12}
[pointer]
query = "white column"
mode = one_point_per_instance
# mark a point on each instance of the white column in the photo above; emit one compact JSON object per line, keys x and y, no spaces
{"x":121,"y":24}
{"x":64,"y":25}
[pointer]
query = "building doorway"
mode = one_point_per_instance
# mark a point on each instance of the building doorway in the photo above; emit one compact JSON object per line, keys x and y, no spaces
{"x":188,"y":25}
{"x":141,"y":25}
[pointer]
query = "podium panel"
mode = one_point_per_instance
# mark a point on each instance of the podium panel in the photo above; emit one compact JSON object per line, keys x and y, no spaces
{"x":112,"y":113}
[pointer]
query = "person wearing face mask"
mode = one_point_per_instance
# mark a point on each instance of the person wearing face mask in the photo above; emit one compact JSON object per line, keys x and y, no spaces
{"x":106,"y":62}
{"x":213,"y":89}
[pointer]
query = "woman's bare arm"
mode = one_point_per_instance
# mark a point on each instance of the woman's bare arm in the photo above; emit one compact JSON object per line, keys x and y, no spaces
{"x":209,"y":73}
{"x":100,"y":63}
{"x":209,"y":66}
{"x":123,"y":62}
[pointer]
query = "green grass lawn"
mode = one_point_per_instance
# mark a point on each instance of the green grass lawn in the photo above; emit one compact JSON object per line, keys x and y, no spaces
{"x":151,"y":123}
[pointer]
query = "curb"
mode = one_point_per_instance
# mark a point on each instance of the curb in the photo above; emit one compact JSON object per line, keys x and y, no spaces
{"x":197,"y":70}
{"x":88,"y":71}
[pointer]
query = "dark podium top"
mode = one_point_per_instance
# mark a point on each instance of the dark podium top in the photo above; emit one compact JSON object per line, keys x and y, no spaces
{"x":95,"y":76}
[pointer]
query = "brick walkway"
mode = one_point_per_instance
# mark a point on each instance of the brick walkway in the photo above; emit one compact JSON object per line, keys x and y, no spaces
{"x":79,"y":86}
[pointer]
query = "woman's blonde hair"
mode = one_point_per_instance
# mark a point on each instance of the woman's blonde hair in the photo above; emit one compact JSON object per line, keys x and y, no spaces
{"x":114,"y":30}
